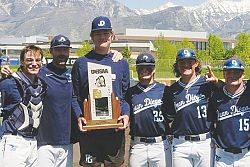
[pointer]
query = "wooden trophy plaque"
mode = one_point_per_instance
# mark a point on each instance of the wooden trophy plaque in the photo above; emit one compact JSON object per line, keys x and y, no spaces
{"x":102,"y":108}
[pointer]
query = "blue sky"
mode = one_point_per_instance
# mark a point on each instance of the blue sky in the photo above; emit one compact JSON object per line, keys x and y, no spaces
{"x":151,"y":4}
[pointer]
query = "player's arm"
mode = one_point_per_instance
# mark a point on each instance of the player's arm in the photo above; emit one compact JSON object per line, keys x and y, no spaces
{"x":212,"y":111}
{"x":210,"y":77}
{"x":76,"y":81}
{"x":125,"y":109}
{"x":81,"y":121}
{"x":167,"y":106}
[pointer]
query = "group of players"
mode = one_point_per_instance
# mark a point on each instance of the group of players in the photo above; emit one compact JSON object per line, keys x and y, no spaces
{"x":207,"y":119}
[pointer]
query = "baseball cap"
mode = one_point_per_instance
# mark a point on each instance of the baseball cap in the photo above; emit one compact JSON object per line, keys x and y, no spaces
{"x":60,"y":41}
{"x":233,"y":63}
{"x":185,"y":53}
{"x":144,"y":59}
{"x":101,"y":23}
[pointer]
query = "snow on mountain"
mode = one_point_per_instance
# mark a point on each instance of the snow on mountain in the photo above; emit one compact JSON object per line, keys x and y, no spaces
{"x":150,"y":11}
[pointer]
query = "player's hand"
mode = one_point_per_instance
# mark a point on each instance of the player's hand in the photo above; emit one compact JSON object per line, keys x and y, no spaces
{"x":5,"y":70}
{"x":125,"y":121}
{"x":209,"y":76}
{"x":116,"y":55}
{"x":81,"y":122}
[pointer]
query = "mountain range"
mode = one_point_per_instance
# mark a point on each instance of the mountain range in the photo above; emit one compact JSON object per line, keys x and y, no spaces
{"x":225,"y":18}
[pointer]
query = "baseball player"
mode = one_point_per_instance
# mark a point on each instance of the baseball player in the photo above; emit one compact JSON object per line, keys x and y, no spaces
{"x":102,"y":146}
{"x":190,"y":95}
{"x":22,"y":94}
{"x":230,"y":114}
{"x":148,"y":129}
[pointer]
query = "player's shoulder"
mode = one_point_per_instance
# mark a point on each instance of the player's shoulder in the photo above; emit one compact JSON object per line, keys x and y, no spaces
{"x":7,"y":82}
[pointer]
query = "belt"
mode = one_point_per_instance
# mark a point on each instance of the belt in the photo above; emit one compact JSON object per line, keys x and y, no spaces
{"x":149,"y":139}
{"x":236,"y":150}
{"x":199,"y":137}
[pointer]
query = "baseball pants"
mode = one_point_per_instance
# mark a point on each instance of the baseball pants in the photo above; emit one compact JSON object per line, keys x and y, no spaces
{"x":55,"y":156}
{"x":156,"y":154}
{"x":18,"y":151}
{"x":192,"y":153}
{"x":227,"y":159}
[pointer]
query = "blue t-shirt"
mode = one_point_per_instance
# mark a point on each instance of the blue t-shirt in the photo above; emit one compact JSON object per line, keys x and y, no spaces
{"x":55,"y":127}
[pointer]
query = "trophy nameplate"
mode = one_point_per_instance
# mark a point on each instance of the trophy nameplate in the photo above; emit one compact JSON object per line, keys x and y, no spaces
{"x":101,"y":109}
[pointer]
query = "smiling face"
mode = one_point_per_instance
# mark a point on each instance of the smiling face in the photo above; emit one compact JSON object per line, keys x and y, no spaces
{"x":187,"y":67}
{"x":145,"y":73}
{"x":102,"y":39}
{"x":233,"y":77}
{"x":31,"y":60}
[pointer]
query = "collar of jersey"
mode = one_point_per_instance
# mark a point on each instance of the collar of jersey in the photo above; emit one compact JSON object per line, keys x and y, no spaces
{"x":187,"y":86}
{"x":234,"y":95}
{"x":147,"y":88}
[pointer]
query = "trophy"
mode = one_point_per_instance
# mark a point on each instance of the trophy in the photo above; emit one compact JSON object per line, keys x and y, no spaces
{"x":102,"y":108}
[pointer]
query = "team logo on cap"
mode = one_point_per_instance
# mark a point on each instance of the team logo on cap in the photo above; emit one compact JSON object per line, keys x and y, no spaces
{"x":101,"y":23}
{"x":145,"y":57}
{"x":62,"y":39}
{"x":186,"y":52}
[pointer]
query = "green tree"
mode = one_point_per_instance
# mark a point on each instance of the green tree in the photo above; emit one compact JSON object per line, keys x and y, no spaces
{"x":230,"y":53}
{"x":46,"y":53}
{"x":126,"y":52}
{"x":242,"y":48}
{"x":164,"y":49}
{"x":86,"y":47}
{"x":216,"y":47}
{"x":185,"y":44}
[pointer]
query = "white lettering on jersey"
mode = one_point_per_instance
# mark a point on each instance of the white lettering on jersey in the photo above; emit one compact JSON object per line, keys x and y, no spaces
{"x":235,"y":111}
{"x":147,"y":104}
{"x":190,"y":99}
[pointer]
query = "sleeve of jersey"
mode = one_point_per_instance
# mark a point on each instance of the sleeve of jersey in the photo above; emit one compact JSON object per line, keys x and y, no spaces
{"x":211,"y":110}
{"x":76,"y":80}
{"x":10,"y":95}
{"x":125,"y":86}
{"x":167,"y":107}
{"x":75,"y":106}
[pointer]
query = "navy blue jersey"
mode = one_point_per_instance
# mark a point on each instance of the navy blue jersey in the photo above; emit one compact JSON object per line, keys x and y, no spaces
{"x":146,"y":117}
{"x":190,"y":102}
{"x":231,"y":114}
{"x":59,"y":101}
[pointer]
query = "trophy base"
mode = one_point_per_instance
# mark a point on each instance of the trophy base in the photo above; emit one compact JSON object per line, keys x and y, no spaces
{"x":102,"y":124}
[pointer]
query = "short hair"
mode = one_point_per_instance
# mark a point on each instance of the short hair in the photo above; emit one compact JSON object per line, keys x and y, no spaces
{"x":177,"y":72}
{"x":31,"y":48}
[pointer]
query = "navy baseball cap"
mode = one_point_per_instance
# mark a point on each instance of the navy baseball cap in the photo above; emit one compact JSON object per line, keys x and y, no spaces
{"x":60,"y":41}
{"x":144,"y":59}
{"x":101,"y":23}
{"x":185,"y":54}
{"x":233,"y":63}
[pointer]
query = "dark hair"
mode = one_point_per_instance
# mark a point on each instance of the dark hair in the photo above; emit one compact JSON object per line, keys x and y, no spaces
{"x":32,"y":48}
{"x":178,"y":74}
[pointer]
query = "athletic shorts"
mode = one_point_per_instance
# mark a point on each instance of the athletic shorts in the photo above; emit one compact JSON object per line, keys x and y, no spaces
{"x":108,"y":149}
